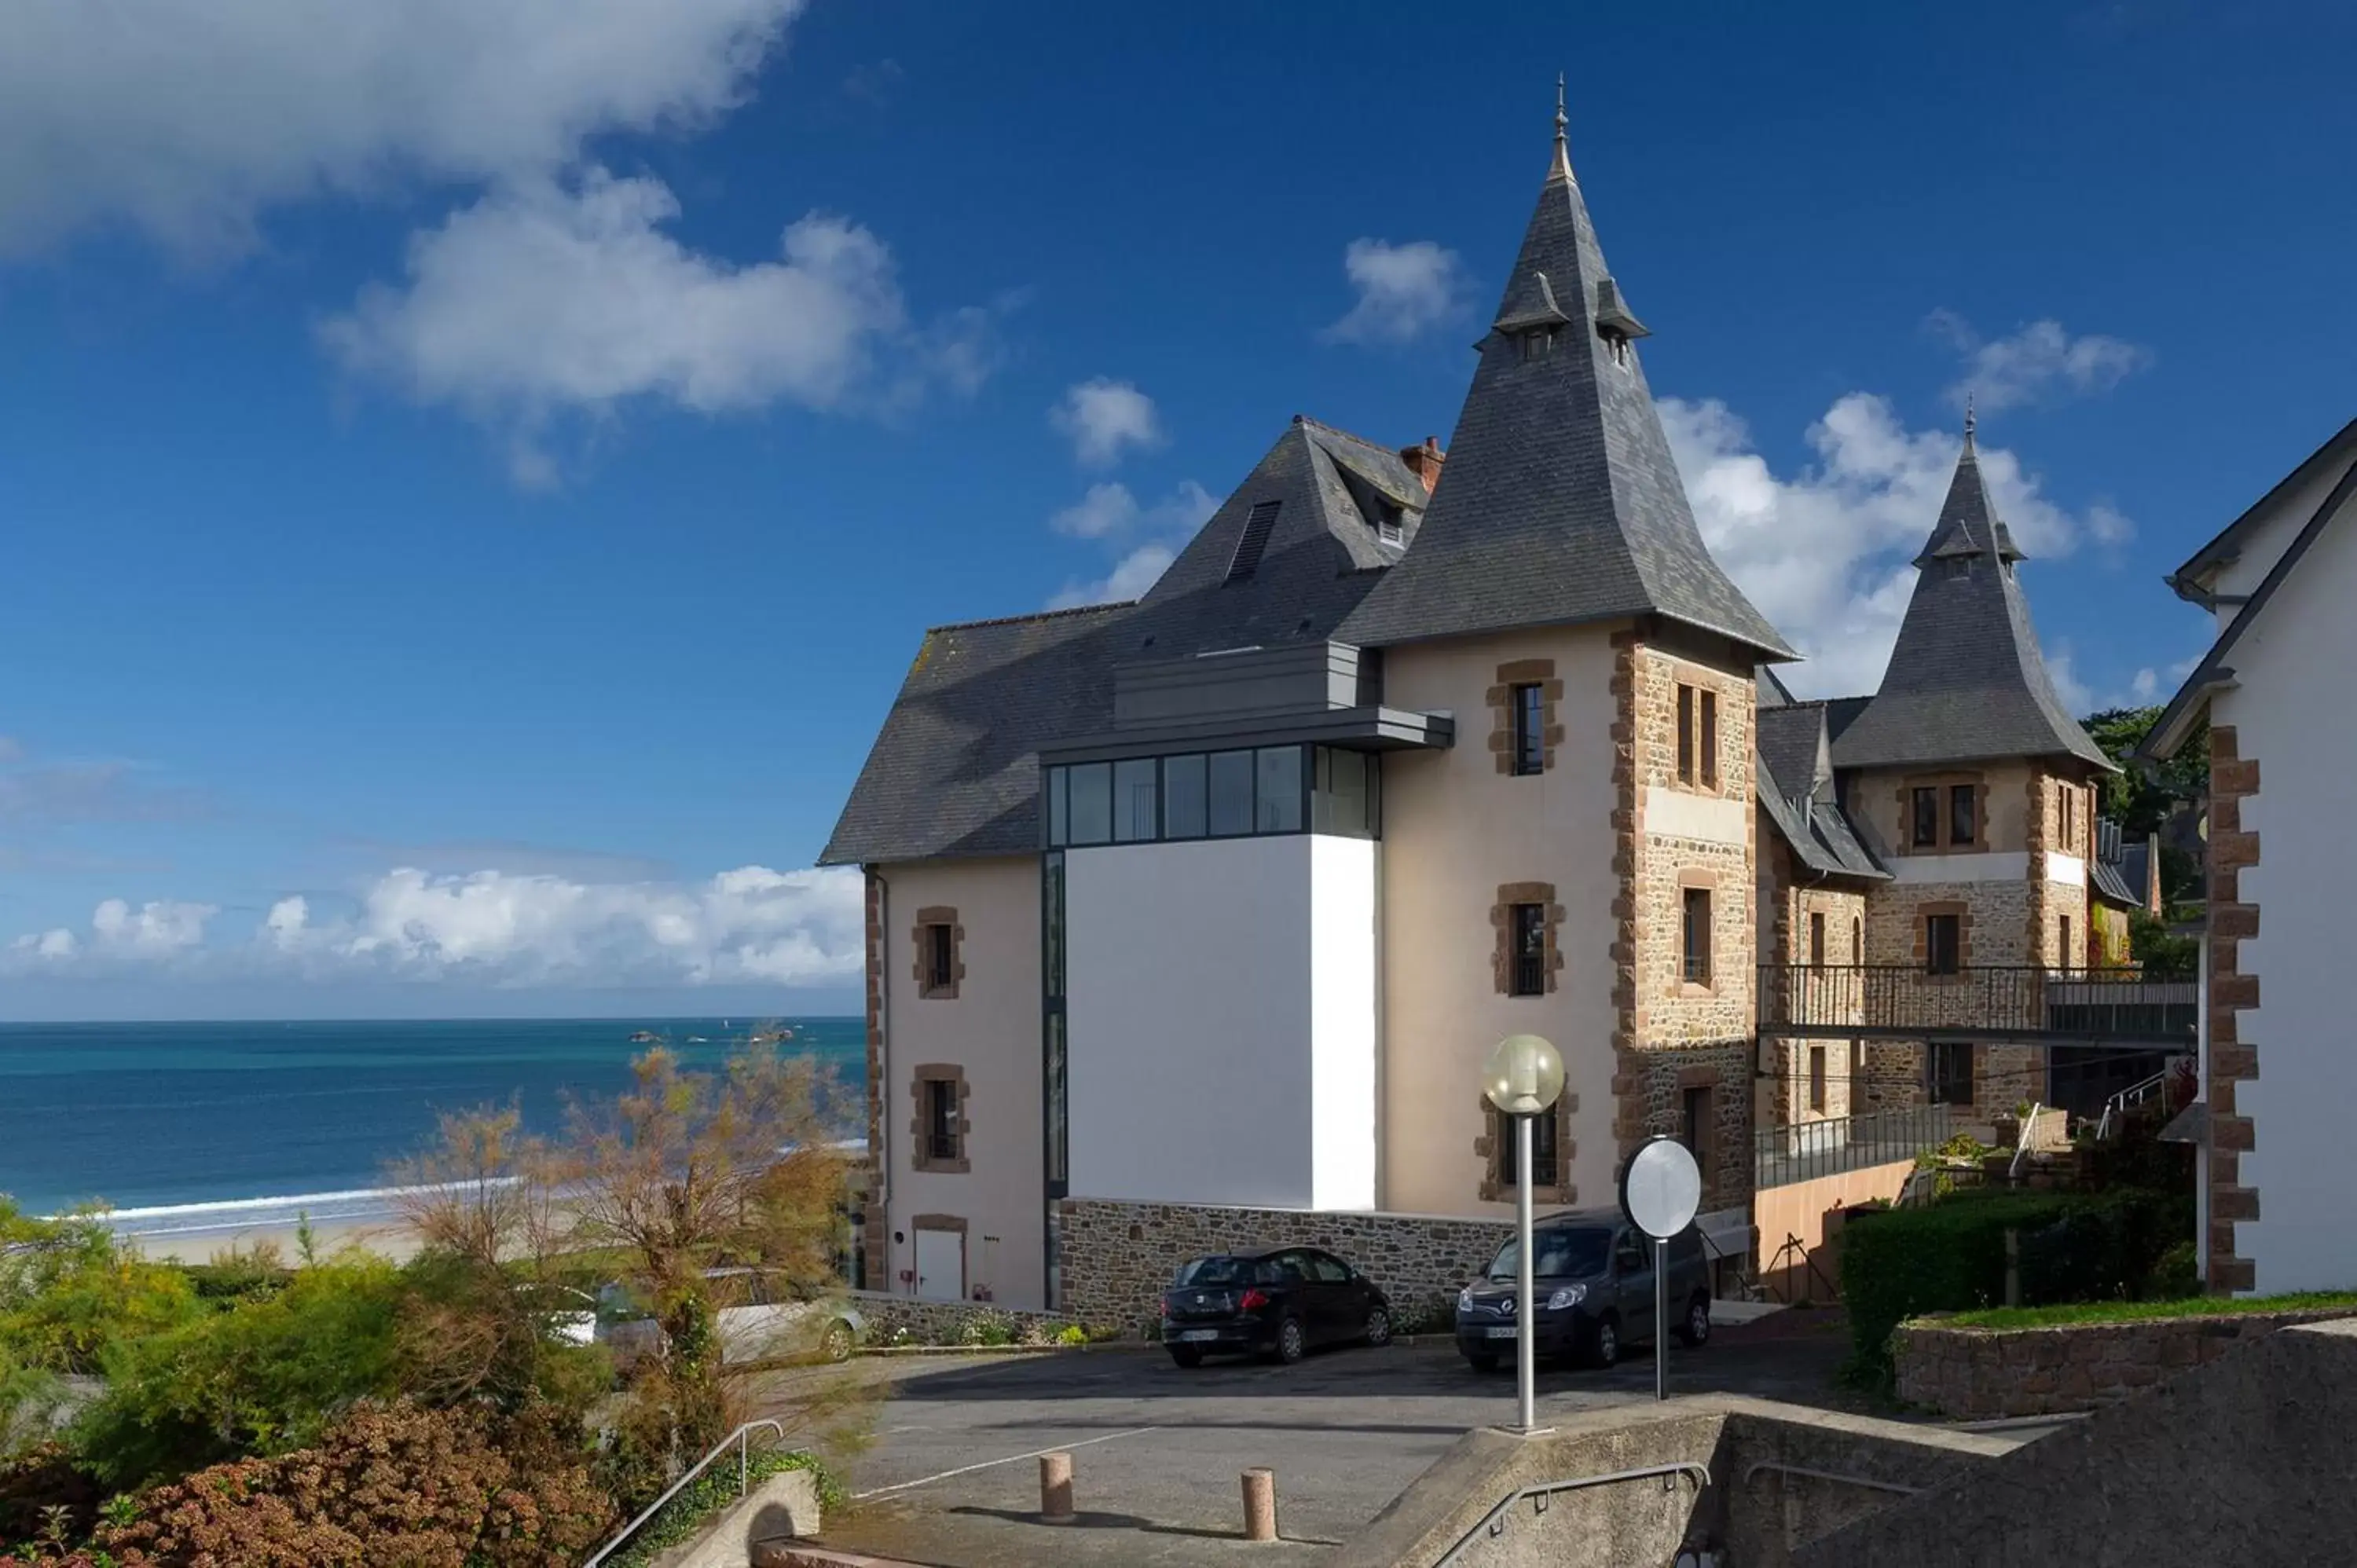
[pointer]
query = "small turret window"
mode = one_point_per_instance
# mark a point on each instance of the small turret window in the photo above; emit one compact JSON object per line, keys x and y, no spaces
{"x":1538,"y":343}
{"x":1959,"y":566}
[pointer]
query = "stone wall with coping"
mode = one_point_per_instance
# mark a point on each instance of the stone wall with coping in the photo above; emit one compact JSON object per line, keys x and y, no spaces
{"x":1116,"y":1258}
{"x":1980,"y":1373}
{"x":948,"y":1322}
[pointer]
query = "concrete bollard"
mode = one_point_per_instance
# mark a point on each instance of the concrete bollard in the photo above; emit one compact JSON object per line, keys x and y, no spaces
{"x":1055,"y":1489}
{"x":1260,"y":1505}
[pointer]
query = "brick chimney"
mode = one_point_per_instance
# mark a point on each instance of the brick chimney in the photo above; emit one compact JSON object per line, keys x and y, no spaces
{"x":1425,"y":461}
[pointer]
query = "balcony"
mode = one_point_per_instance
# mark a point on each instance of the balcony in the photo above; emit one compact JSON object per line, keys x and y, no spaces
{"x":1804,"y":1151}
{"x":2019,"y":1005}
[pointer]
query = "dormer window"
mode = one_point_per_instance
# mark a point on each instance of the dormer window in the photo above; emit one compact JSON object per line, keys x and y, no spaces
{"x":1538,"y":343}
{"x":1387,"y":523}
{"x":1959,"y":566}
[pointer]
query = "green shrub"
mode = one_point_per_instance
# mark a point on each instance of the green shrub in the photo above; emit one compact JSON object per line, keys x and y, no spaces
{"x":1947,"y":1256}
{"x":262,"y":1376}
{"x":67,"y":1287}
{"x":2107,"y":1247}
{"x":1071,"y":1335}
{"x":714,"y":1490}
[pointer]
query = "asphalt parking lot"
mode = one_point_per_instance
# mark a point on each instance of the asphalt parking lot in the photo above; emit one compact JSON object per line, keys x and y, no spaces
{"x":953,"y":1477}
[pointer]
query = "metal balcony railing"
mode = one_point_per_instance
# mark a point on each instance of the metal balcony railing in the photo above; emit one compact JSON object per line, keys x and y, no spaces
{"x":1804,"y":1151}
{"x":2019,"y":1002}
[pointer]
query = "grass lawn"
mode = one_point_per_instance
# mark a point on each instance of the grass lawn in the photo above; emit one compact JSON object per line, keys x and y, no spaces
{"x":2136,"y":1311}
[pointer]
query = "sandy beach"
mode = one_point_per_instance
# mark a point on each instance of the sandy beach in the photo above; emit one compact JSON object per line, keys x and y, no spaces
{"x":387,"y":1237}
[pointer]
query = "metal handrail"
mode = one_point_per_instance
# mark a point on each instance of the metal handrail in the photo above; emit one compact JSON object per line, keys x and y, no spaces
{"x":1773,"y":1467}
{"x":2021,"y":1141}
{"x":1495,"y":1521}
{"x":741,"y":1437}
{"x":2134,"y":1094}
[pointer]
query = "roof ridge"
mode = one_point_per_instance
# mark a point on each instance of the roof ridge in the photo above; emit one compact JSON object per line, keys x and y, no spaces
{"x":1316,"y":422}
{"x":1035,"y":614}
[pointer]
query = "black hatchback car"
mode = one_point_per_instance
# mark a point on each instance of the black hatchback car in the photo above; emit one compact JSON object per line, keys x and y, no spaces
{"x":1277,"y":1301}
{"x":1593,"y":1278}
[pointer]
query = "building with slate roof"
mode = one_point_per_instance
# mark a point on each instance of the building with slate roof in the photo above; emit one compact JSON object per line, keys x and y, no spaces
{"x":1220,"y":897}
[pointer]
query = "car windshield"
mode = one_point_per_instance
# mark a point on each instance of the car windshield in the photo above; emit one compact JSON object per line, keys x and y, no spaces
{"x":1220,"y":1271}
{"x":1561,"y":1254}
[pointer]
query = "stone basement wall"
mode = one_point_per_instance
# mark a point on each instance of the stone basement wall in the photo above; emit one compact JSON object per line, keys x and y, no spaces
{"x":1117,"y":1258}
{"x":1976,"y":1373}
{"x":946,"y":1322}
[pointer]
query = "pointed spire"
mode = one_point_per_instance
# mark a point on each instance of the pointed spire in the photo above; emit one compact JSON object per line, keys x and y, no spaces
{"x":1969,"y":448}
{"x":1562,"y":169}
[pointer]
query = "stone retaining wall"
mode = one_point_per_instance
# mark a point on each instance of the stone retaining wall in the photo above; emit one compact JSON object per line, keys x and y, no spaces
{"x":1116,"y":1257}
{"x":948,"y":1322}
{"x":1976,"y":1373}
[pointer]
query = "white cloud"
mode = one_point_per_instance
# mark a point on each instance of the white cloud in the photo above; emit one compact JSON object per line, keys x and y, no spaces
{"x":547,"y":299}
{"x":1105,"y":418}
{"x":2040,"y":360}
{"x":1404,"y":291}
{"x":1130,"y":578}
{"x":1823,"y":552}
{"x":189,"y":123}
{"x":1111,"y":511}
{"x":494,"y":929}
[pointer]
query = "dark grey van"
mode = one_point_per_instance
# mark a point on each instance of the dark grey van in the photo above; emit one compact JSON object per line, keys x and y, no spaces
{"x":1594,"y":1279}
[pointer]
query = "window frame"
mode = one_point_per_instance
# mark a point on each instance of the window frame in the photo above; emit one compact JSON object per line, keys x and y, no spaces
{"x":1938,"y":964}
{"x":1817,"y":1100}
{"x":940,"y":957}
{"x":1968,"y":797}
{"x":1707,"y":741}
{"x":1939,"y":1071}
{"x":1923,"y":809}
{"x":1526,"y":703}
{"x":1527,"y":967}
{"x":1686,"y":748}
{"x":1690,"y":974}
{"x":1547,"y":1172}
{"x":1816,"y":939}
{"x":935,"y":1087}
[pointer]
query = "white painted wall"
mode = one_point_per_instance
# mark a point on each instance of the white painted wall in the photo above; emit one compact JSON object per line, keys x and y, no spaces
{"x":1221,"y":1000}
{"x":2066,"y":870}
{"x":2288,"y":714}
{"x":1995,"y":866}
{"x":992,"y":1030}
{"x":1344,"y":1038}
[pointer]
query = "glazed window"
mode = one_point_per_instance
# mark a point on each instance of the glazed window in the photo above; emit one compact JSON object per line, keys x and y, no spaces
{"x":1685,"y":735}
{"x":1817,"y":1078}
{"x":1943,"y":944}
{"x":940,"y":1120}
{"x":1818,"y":941}
{"x":1529,"y":951}
{"x":1948,"y":1065}
{"x":1530,"y":728}
{"x":1708,"y":740}
{"x":1926,"y":833}
{"x":1963,"y":815}
{"x":1545,"y":1149}
{"x":1697,"y":936}
{"x":941,"y":956}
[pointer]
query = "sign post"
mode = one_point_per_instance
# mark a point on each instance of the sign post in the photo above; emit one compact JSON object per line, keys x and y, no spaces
{"x":1661,"y":1188}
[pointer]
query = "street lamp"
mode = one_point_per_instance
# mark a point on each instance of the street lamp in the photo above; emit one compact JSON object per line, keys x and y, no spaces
{"x":1523,"y":1078}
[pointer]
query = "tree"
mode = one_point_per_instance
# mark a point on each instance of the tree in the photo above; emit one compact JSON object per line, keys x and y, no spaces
{"x":2140,"y":799}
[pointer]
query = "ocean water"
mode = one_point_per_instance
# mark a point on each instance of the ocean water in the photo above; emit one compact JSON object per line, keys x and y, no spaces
{"x":195,"y":1127}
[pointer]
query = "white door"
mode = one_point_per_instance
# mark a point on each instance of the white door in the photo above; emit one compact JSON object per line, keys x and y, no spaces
{"x":941,"y":1265}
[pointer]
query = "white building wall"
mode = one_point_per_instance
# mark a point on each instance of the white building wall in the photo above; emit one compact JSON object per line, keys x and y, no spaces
{"x":2285,"y":714}
{"x":991,"y":1030}
{"x":1220,"y":1003}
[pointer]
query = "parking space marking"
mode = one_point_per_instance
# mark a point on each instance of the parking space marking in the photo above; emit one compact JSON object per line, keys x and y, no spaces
{"x":1010,"y":1459}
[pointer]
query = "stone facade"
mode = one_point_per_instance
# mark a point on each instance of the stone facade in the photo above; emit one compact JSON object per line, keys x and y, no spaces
{"x":1794,"y":906}
{"x":1678,"y":1032}
{"x":1117,"y":1258}
{"x":1983,"y":1373}
{"x":2234,"y":778}
{"x":948,"y":1322}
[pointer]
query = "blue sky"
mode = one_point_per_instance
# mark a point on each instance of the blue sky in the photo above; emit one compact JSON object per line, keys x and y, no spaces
{"x":476,"y":470}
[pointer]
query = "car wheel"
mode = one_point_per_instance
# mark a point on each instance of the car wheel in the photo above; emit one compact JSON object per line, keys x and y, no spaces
{"x":1187,"y":1356}
{"x":1604,"y":1345}
{"x":836,"y":1344}
{"x":1696,"y":1329}
{"x":1379,"y":1327}
{"x":1290,"y":1341}
{"x":1483,"y":1364}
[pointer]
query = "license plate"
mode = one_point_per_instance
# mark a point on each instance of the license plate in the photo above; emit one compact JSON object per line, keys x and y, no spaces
{"x":1199,"y":1334}
{"x":1495,"y":1333}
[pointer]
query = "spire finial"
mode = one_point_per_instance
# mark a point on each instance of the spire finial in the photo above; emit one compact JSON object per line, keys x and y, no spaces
{"x":1968,"y":423}
{"x":1562,"y":144}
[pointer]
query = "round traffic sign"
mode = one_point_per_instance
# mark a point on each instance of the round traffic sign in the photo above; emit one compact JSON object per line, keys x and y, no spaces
{"x":1660,"y":1187}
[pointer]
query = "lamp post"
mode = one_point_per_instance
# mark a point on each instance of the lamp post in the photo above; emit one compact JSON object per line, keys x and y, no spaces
{"x":1523,"y":1078}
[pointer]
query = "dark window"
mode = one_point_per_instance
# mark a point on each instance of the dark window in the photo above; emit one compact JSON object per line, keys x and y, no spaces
{"x":1539,"y":344}
{"x":940,"y":1119}
{"x":1710,"y":739}
{"x":1259,"y":524}
{"x":1545,"y":1160}
{"x":2069,"y":819}
{"x":1950,"y":1067}
{"x":1958,"y":565}
{"x":1943,"y":944}
{"x":1279,"y":771}
{"x":1858,"y":941}
{"x":1685,"y":735}
{"x":1817,"y":941}
{"x":1817,"y":1078}
{"x":1091,"y":807}
{"x":1927,"y":819}
{"x":1231,"y":792}
{"x":1342,"y":802}
{"x":1056,"y":1145}
{"x":1059,"y":829}
{"x":1696,"y":1128}
{"x":1058,"y":1118}
{"x":2069,"y":958}
{"x":1529,"y":949}
{"x":1182,"y":796}
{"x":1133,"y":790}
{"x":1052,"y":916}
{"x":1530,"y":729}
{"x":1963,"y":824}
{"x":1697,"y":936}
{"x":1387,"y":523}
{"x":940,"y":957}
